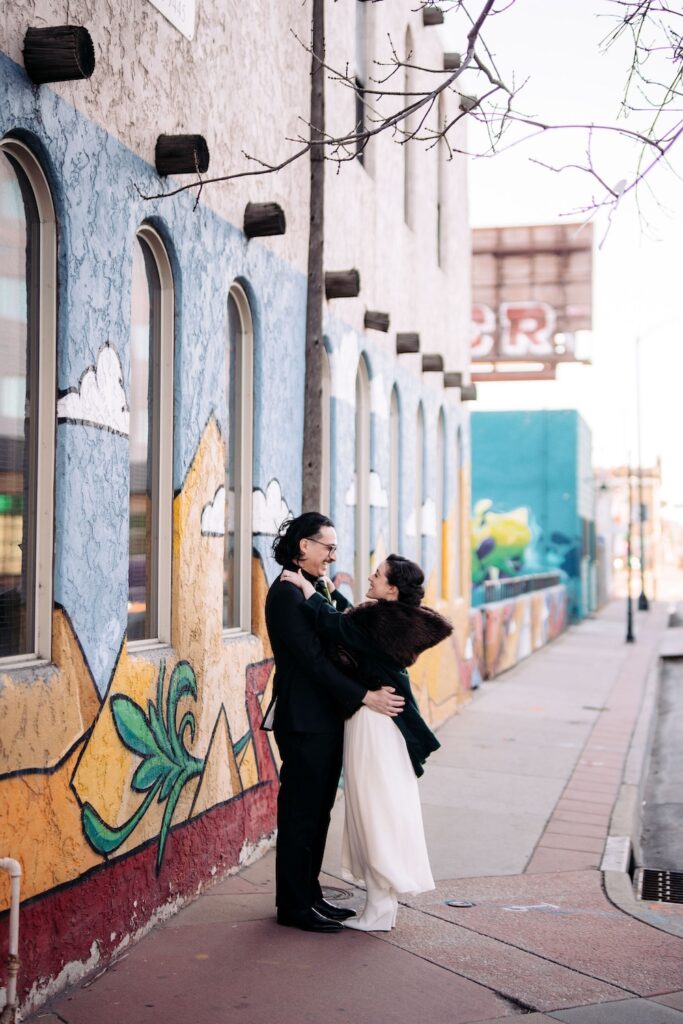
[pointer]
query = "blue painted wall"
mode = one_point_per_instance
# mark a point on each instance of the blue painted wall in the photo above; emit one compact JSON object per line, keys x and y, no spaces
{"x":98,"y":210}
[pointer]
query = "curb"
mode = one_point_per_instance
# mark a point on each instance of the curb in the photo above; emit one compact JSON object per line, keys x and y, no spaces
{"x":622,"y":847}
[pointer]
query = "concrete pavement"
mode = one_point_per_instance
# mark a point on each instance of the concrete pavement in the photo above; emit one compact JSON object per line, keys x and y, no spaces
{"x":531,"y":779}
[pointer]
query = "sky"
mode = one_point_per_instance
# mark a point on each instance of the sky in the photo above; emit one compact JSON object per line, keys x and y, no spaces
{"x":638,"y":286}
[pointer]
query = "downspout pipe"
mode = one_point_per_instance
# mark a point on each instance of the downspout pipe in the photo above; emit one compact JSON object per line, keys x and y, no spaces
{"x":13,"y":868}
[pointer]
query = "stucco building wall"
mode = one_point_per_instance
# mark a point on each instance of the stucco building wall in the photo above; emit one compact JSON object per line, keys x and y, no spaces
{"x":98,"y":849}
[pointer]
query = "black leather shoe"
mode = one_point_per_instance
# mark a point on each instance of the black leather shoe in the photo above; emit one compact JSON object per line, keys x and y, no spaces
{"x":308,"y":921}
{"x":334,"y":913}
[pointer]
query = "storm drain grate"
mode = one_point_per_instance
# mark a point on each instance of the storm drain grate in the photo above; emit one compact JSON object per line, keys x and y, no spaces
{"x":659,"y":886}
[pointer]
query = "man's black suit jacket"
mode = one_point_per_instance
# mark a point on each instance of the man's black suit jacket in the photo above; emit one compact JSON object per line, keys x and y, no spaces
{"x":313,"y":695}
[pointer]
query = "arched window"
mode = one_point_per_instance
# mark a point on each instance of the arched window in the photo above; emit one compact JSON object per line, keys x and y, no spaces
{"x":27,"y":404}
{"x":361,"y":71}
{"x":419,"y":482}
{"x":409,"y":146}
{"x":462,"y":518}
{"x":442,"y":532}
{"x":326,"y":431}
{"x":440,"y":187}
{"x":394,"y":471}
{"x":151,"y":441}
{"x":239,"y":383}
{"x":362,"y":530}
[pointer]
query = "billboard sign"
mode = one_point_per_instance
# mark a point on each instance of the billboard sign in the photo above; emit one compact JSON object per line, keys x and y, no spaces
{"x":532,"y":291}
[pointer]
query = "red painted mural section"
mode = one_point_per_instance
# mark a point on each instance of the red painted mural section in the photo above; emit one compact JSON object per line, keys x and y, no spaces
{"x":121,"y":896}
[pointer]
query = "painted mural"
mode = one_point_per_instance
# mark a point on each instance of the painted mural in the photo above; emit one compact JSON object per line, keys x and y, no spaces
{"x":514,"y":629}
{"x":499,"y":541}
{"x":532,"y":500}
{"x":131,"y":778}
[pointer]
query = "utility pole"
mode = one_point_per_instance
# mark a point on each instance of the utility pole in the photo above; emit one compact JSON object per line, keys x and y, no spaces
{"x":312,"y":450}
{"x":630,"y":637}
{"x":643,"y":603}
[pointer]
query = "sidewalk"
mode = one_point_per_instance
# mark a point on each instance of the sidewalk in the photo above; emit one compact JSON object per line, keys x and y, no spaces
{"x":517,"y":806}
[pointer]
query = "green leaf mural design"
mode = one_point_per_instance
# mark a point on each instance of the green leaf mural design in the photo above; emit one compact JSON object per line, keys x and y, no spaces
{"x":167,"y":765}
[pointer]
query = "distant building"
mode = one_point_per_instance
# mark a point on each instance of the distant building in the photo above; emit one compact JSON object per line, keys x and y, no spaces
{"x":533,"y":508}
{"x":618,"y":493}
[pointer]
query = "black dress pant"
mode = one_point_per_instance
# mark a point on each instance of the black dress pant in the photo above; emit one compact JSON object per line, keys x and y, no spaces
{"x":309,"y":776}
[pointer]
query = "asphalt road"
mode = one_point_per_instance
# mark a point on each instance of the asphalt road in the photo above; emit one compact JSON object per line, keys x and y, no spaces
{"x":662,"y":813}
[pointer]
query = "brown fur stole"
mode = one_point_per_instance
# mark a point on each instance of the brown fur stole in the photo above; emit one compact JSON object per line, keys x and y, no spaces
{"x":400,"y":631}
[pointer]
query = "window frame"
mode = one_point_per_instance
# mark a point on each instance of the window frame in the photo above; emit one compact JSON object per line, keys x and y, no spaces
{"x":43,"y":300}
{"x":394,"y":470}
{"x":420,"y":475}
{"x":360,"y":78}
{"x":162,"y":442}
{"x":441,"y":188}
{"x":362,"y":474}
{"x":461,"y":585}
{"x":325,"y":433}
{"x":409,"y":212}
{"x":443,"y":583}
{"x":244,"y":416}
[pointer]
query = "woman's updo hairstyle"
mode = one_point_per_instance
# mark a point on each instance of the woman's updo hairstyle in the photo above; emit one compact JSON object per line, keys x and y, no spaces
{"x":286,"y":545}
{"x":408,"y":577}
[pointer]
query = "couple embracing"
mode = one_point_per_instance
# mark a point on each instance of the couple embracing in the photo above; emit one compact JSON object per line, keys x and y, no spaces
{"x":342,"y":695}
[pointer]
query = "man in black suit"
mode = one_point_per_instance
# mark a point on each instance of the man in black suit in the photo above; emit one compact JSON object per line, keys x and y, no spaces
{"x":312,"y":699}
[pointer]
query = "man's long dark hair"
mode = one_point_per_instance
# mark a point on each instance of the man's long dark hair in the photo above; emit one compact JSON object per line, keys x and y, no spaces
{"x":286,"y":545}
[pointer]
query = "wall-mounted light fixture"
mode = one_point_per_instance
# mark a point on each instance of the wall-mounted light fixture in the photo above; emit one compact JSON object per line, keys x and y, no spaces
{"x":58,"y":53}
{"x":262,"y":219}
{"x":375,"y":321}
{"x":451,"y":61}
{"x":342,"y":284}
{"x":407,"y":342}
{"x":432,"y":15}
{"x":432,"y":363}
{"x":181,"y":154}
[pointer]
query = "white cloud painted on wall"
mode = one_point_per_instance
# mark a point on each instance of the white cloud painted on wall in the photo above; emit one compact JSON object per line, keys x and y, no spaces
{"x":269,"y":509}
{"x":343,"y":368}
{"x":213,"y":515}
{"x":99,"y":400}
{"x":428,"y":517}
{"x":378,"y":496}
{"x":350,"y":496}
{"x":379,"y":399}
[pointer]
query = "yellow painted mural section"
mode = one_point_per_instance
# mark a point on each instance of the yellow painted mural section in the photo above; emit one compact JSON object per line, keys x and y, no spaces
{"x":40,"y":722}
{"x":44,"y":811}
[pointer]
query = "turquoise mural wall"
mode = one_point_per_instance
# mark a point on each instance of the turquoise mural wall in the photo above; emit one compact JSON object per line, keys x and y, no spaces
{"x":532,"y":499}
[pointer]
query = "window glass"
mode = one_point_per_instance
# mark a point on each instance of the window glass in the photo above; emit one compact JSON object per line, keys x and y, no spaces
{"x":144,"y":351}
{"x":441,"y":509}
{"x":234,"y":341}
{"x":18,"y":405}
{"x":362,"y":465}
{"x":394,"y":473}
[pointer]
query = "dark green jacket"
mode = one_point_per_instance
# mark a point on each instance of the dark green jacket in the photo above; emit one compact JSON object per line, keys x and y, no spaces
{"x":376,"y":641}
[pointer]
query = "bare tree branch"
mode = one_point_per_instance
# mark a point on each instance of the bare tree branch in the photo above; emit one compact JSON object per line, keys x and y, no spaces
{"x":652,"y":90}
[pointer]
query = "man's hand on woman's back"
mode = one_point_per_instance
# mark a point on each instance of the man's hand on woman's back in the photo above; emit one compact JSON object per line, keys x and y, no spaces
{"x":385,"y":701}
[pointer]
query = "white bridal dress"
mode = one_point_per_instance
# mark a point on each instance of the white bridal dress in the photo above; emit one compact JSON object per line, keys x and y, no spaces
{"x":384,"y":845}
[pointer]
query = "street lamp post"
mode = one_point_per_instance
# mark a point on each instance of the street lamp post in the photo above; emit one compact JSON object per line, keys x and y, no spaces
{"x":630,"y":636}
{"x":643,"y":603}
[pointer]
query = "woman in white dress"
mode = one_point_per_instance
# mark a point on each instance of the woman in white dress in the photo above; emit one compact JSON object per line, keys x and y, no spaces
{"x":384,"y":845}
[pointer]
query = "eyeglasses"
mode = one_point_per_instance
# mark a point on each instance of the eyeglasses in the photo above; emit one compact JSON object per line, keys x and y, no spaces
{"x":332,"y":548}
